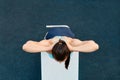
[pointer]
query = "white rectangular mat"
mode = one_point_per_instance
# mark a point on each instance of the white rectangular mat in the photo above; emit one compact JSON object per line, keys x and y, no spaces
{"x":53,"y":70}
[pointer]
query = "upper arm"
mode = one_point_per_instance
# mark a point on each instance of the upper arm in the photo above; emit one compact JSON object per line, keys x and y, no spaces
{"x":77,"y":42}
{"x":85,"y":46}
{"x":40,"y":43}
{"x":34,"y":46}
{"x":44,"y":43}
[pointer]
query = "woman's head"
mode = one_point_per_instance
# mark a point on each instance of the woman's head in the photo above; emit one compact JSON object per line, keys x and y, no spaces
{"x":61,"y":52}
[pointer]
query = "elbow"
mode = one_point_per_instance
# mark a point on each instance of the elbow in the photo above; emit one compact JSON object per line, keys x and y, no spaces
{"x":94,"y":45}
{"x":25,"y":46}
{"x":97,"y":46}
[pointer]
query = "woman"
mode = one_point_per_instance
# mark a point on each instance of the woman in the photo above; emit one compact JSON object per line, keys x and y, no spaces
{"x":60,"y":42}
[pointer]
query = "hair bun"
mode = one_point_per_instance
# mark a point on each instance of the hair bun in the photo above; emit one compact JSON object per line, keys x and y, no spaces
{"x":60,"y":42}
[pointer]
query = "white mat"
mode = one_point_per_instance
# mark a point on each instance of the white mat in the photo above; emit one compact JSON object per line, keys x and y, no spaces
{"x":53,"y":70}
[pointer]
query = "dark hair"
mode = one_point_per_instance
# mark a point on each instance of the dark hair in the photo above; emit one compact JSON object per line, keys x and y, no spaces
{"x":61,"y":52}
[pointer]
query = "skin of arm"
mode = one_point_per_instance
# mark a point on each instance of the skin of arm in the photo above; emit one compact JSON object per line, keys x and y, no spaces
{"x":34,"y":46}
{"x":44,"y":45}
{"x":82,"y":46}
{"x":73,"y":44}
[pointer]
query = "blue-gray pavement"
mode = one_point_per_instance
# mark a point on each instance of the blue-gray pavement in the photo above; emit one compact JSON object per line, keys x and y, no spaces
{"x":22,"y":20}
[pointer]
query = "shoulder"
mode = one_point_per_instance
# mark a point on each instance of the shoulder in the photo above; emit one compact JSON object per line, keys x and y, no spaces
{"x":67,"y":38}
{"x":76,"y":40}
{"x":72,"y":39}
